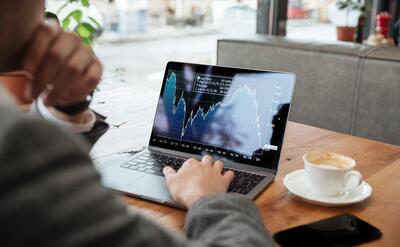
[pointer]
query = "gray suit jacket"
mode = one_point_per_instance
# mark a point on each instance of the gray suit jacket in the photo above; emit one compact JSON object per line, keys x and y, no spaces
{"x":50,"y":195}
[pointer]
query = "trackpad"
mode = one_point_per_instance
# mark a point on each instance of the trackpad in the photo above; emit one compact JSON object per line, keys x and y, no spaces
{"x":152,"y":187}
{"x":118,"y":178}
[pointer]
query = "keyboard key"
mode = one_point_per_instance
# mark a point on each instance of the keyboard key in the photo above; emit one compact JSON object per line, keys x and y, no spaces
{"x":150,"y":166}
{"x":152,"y":163}
{"x":132,"y":162}
{"x":180,"y":161}
{"x":126,"y":165}
{"x":244,"y":182}
{"x":159,"y":173}
{"x":141,"y":159}
{"x":151,"y":171}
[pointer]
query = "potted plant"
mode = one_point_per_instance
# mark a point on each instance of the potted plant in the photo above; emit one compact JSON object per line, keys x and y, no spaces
{"x":346,"y":32}
{"x":74,"y":20}
{"x":73,"y":17}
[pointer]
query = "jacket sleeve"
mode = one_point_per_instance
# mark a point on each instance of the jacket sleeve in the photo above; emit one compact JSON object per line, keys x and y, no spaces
{"x":92,"y":135}
{"x":50,"y":195}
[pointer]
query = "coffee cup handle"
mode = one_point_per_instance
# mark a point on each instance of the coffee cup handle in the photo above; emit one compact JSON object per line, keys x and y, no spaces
{"x":351,"y":174}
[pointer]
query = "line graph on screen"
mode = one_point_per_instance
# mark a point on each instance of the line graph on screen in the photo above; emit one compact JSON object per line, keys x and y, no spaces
{"x":192,"y":115}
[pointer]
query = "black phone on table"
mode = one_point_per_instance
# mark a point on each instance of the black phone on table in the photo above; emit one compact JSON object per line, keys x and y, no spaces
{"x":340,"y":230}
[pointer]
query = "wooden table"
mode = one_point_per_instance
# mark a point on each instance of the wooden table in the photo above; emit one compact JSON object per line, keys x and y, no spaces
{"x":132,"y":109}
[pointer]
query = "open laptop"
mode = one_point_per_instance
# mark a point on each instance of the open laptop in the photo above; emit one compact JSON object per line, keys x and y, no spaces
{"x":233,"y":114}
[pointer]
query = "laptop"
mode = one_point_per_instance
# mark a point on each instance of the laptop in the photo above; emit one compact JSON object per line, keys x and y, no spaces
{"x":233,"y":114}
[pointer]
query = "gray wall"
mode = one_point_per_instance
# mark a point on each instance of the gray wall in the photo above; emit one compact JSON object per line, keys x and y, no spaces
{"x":344,"y":87}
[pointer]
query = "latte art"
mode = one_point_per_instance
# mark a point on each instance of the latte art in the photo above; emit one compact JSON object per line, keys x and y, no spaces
{"x":330,"y":167}
{"x":330,"y":160}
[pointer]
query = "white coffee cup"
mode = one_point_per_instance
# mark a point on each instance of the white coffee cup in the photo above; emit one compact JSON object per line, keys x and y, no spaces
{"x":331,"y":174}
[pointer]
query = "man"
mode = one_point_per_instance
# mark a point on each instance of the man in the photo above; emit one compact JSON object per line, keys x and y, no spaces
{"x":50,"y":194}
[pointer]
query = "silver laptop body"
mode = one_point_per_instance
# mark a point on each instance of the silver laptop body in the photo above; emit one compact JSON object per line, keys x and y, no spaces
{"x":140,"y":175}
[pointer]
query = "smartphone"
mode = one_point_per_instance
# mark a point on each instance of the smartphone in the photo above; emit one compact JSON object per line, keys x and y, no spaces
{"x":340,"y":230}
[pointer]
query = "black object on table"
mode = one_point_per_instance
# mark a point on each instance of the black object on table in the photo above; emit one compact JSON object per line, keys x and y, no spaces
{"x":99,"y":128}
{"x":341,"y":230}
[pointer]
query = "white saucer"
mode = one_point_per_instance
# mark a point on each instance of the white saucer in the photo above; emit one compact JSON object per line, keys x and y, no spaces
{"x":297,"y":183}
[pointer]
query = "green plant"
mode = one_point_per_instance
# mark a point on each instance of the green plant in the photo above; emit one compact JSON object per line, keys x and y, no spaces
{"x":77,"y":21}
{"x":349,"y":5}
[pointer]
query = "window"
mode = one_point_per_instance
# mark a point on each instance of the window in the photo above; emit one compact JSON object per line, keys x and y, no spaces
{"x":311,"y":20}
{"x":140,"y":36}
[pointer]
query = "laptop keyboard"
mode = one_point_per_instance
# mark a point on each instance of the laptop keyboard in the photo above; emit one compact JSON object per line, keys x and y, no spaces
{"x":152,"y":163}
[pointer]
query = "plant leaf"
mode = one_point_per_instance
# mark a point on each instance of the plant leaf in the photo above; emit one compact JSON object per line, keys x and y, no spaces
{"x":65,"y":23}
{"x":89,"y":27}
{"x":88,"y":42}
{"x":77,"y":15}
{"x":98,"y":26}
{"x":83,"y":31}
{"x":51,"y":15}
{"x":85,"y":3}
{"x":351,"y":4}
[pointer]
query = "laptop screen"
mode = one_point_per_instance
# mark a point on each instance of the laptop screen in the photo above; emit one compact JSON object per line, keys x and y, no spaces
{"x":232,"y":114}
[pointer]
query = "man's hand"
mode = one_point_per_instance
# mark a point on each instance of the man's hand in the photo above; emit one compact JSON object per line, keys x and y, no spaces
{"x":196,"y":179}
{"x":63,"y":68}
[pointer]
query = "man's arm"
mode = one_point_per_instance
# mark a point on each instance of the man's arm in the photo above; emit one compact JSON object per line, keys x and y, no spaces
{"x":50,"y":195}
{"x":88,"y":123}
{"x":64,"y":72}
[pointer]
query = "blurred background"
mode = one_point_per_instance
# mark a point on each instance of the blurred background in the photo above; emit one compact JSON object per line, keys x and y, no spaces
{"x":136,"y":38}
